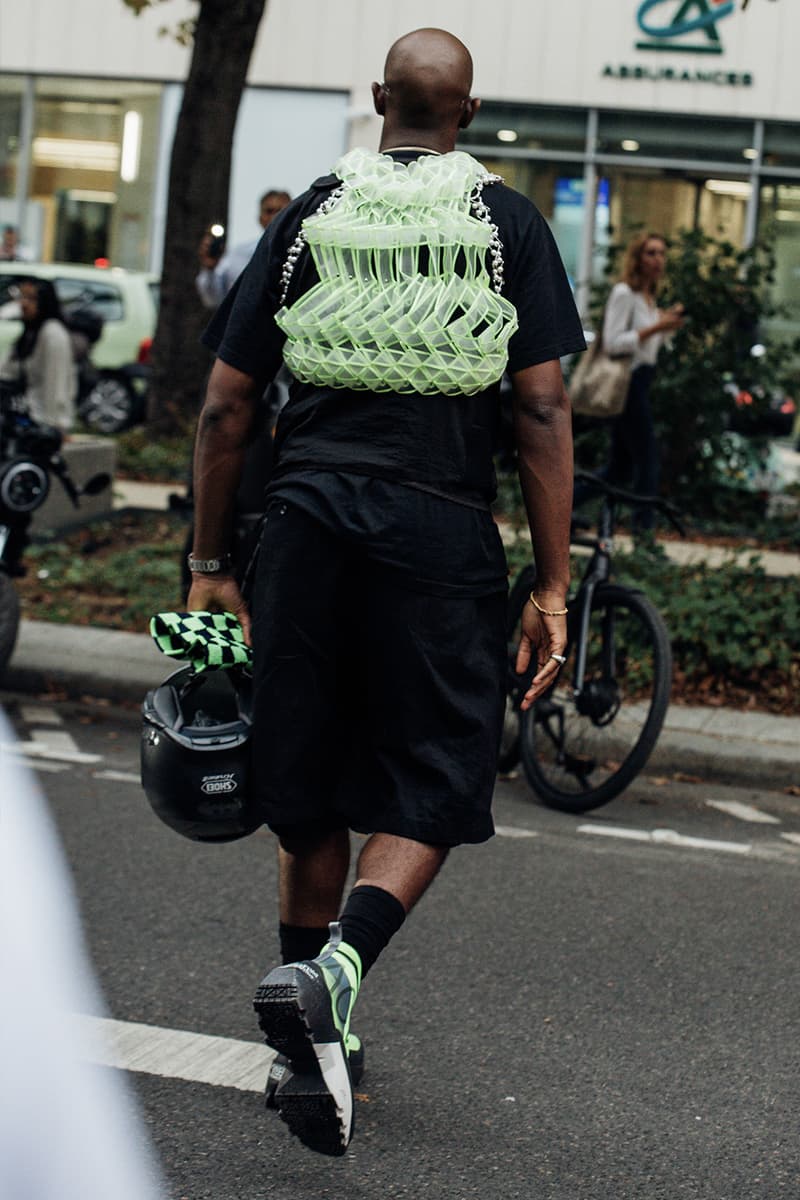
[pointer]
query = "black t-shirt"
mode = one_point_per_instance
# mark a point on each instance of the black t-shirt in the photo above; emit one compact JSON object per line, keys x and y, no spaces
{"x":436,"y":442}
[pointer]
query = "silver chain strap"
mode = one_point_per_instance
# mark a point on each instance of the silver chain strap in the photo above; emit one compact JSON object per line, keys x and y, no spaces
{"x":479,"y":207}
{"x":296,"y":248}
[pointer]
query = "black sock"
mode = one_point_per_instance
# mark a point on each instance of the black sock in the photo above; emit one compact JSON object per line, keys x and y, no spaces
{"x":300,"y":942}
{"x":371,"y":917}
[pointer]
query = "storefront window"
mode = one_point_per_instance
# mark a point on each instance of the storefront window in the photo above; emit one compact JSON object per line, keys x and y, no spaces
{"x":527,"y":127}
{"x":642,"y":200}
{"x":557,"y":190}
{"x":780,"y":219}
{"x":11,"y":88}
{"x":666,"y":136}
{"x":658,"y":201}
{"x":781,"y":145}
{"x":92,"y":169}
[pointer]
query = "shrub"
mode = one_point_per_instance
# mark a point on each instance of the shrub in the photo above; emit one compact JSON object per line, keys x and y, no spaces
{"x":735,"y":632}
{"x":159,"y":459}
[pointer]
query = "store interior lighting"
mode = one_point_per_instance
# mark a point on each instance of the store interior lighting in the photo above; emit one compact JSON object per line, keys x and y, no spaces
{"x":629,"y":144}
{"x":507,"y":135}
{"x":76,"y":154}
{"x":750,"y":152}
{"x":88,"y":196}
{"x":729,"y":187}
{"x":131,"y":146}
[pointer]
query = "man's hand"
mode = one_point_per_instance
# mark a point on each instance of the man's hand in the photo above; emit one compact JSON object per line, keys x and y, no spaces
{"x":543,"y":636}
{"x":219,"y":593}
{"x":207,"y":254}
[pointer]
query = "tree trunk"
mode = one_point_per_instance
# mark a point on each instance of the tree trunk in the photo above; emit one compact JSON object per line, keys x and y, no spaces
{"x":198,"y":197}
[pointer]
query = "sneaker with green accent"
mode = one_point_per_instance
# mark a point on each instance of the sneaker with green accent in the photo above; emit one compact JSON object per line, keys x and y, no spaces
{"x":304,"y":1013}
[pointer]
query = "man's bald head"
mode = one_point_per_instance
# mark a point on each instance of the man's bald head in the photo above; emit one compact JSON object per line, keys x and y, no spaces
{"x":426,"y":82}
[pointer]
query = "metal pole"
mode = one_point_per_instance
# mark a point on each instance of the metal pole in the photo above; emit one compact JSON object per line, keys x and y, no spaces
{"x":25,"y":156}
{"x":583,"y":289}
{"x":753,"y":204}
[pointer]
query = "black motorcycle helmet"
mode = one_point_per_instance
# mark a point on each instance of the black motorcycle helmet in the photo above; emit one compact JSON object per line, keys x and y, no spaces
{"x":196,"y":754}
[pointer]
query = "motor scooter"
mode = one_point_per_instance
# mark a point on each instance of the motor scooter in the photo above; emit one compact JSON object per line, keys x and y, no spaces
{"x":30,"y":455}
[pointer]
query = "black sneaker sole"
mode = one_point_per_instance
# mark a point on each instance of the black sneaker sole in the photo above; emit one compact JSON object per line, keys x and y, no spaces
{"x":281,"y":1070}
{"x":316,"y":1098}
{"x":312,"y":1114}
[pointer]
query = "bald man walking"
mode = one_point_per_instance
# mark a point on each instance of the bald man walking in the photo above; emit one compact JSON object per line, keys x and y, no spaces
{"x":397,"y":290}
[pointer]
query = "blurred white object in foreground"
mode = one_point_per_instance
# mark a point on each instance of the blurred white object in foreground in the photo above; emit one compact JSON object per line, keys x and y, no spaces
{"x":68,"y":1130}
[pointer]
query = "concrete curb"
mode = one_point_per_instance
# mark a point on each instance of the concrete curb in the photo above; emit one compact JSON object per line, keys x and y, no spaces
{"x":84,"y":661}
{"x":727,"y":758}
{"x":721,"y":745}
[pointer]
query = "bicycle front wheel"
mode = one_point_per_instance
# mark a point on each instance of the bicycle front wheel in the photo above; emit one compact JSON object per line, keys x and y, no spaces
{"x":581,"y":750}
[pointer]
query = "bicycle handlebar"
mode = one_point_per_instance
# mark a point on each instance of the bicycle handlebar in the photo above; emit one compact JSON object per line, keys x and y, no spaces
{"x":617,"y":493}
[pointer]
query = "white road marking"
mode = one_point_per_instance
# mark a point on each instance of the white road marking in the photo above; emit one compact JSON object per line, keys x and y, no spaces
{"x":175,"y":1053}
{"x":617,"y":831}
{"x":744,"y":812}
{"x":666,"y":837}
{"x":32,"y":715}
{"x":514,"y":831}
{"x":794,"y":838}
{"x":118,"y":776}
{"x":37,"y":750}
{"x":55,"y":740}
{"x":38,"y":764}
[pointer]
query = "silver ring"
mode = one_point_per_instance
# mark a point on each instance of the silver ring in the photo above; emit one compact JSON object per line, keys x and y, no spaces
{"x":560,"y":658}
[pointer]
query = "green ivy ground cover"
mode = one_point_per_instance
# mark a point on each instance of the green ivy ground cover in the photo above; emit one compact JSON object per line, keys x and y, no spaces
{"x":114,"y":573}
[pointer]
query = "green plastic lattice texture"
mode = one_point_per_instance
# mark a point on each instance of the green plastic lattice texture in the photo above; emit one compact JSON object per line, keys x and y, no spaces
{"x":404,"y":301}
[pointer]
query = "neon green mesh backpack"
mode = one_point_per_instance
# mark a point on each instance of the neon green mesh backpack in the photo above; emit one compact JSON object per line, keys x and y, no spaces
{"x":405,"y":301}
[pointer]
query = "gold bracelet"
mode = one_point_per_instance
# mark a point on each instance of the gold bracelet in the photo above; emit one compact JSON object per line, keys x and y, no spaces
{"x":548,"y":612}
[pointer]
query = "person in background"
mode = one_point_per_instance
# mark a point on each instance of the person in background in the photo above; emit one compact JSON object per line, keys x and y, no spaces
{"x":218,"y":270}
{"x":634,"y":324}
{"x":216,"y":278}
{"x":10,"y":248}
{"x":40,"y":365}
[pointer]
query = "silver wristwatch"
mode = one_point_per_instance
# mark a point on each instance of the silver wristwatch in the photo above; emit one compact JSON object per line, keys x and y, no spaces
{"x":209,"y":566}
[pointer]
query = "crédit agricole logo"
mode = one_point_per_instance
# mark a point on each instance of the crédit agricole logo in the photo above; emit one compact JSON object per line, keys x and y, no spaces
{"x":686,"y":25}
{"x":680,"y":27}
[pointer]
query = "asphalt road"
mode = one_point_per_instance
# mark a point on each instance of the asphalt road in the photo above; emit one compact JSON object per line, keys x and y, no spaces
{"x":568,"y":1014}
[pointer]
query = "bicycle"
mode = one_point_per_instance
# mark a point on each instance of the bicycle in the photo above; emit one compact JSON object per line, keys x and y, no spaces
{"x":591,"y":733}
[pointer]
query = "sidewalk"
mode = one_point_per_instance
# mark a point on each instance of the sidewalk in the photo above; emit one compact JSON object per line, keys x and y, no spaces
{"x":717,"y":744}
{"x":130,"y":494}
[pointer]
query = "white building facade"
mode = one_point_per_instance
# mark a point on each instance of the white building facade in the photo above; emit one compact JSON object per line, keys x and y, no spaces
{"x":613,"y":115}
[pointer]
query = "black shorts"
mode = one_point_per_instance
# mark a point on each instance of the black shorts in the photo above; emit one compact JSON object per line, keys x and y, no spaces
{"x":378,"y":700}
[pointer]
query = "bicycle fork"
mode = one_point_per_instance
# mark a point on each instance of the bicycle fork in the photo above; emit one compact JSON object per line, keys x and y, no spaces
{"x":598,"y":574}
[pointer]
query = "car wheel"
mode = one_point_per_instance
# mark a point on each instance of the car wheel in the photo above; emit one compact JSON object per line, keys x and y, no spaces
{"x":110,"y":406}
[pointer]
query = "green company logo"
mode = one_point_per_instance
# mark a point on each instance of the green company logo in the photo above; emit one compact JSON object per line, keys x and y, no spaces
{"x":682,"y":26}
{"x":693,"y":27}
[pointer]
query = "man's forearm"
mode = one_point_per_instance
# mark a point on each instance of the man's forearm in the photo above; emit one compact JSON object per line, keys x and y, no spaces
{"x":543,"y":425}
{"x":223,"y":430}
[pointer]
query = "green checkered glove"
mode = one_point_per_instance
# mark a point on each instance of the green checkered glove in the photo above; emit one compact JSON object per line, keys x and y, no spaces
{"x":210,"y":641}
